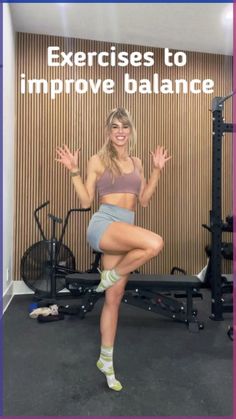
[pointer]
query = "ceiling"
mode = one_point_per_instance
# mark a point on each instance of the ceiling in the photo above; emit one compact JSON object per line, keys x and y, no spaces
{"x":204,"y":27}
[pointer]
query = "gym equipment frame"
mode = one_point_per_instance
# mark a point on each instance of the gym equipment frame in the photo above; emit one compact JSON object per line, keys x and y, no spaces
{"x":216,"y":224}
{"x":144,"y":291}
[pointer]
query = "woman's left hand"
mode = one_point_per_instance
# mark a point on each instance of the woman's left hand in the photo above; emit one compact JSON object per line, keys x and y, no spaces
{"x":160,"y":157}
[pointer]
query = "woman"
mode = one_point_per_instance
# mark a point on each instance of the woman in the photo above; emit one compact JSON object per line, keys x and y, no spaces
{"x":120,"y":182}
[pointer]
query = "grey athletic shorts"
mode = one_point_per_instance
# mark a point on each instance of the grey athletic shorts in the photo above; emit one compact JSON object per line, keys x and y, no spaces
{"x":101,"y":219}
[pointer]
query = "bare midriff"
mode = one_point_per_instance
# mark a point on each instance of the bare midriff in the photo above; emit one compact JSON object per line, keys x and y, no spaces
{"x":123,"y":200}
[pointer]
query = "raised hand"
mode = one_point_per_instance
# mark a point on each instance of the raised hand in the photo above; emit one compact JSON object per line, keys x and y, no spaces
{"x":69,"y":160}
{"x":160,"y":157}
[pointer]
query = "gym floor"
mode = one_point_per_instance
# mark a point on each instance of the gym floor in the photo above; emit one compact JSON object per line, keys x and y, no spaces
{"x":49,"y":368}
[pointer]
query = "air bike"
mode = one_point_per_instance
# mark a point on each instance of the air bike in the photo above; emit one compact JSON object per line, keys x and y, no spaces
{"x":45,"y":264}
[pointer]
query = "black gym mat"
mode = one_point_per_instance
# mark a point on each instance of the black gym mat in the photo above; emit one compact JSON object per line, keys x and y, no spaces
{"x":49,"y":368}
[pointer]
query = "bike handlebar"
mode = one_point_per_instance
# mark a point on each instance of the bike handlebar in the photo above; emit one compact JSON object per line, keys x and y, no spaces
{"x":56,"y":219}
{"x":37,"y":219}
{"x":41,"y":206}
{"x":67,"y":218}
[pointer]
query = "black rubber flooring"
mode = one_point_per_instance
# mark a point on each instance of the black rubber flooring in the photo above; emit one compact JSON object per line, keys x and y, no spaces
{"x":49,"y":369}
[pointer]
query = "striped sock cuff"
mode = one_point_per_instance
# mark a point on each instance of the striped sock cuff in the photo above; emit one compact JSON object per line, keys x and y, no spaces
{"x":114,"y":275}
{"x":107,"y":351}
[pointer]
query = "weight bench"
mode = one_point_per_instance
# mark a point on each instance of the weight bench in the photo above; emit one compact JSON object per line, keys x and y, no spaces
{"x":149,"y":292}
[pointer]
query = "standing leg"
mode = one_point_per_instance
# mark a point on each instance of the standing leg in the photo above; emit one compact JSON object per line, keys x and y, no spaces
{"x":108,"y":323}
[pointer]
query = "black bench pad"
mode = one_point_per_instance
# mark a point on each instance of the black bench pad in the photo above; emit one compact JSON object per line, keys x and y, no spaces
{"x":171,"y":282}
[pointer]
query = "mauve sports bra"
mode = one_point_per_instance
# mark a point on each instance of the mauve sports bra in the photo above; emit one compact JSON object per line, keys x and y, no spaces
{"x":126,"y":183}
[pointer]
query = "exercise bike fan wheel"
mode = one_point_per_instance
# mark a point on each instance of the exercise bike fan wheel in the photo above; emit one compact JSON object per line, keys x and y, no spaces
{"x":35,"y":267}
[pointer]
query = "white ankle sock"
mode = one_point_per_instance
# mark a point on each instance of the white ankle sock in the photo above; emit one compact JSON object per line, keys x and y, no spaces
{"x":105,"y":365}
{"x":108,"y":278}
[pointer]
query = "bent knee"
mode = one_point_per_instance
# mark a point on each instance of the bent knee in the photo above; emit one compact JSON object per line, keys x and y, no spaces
{"x":156,"y":245}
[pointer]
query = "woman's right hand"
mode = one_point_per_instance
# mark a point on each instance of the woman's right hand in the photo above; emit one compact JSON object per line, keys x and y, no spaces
{"x":69,"y":160}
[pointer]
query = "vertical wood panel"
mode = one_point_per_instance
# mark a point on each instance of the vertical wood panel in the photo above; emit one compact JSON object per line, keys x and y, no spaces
{"x":181,"y":122}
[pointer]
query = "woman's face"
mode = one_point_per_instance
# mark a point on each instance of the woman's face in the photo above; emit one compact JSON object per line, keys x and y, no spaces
{"x":119,"y":133}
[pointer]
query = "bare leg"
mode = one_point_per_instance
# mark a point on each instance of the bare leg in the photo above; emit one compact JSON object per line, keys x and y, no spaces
{"x":108,"y":325}
{"x":139,"y":244}
{"x":135,"y":247}
{"x":113,"y":297}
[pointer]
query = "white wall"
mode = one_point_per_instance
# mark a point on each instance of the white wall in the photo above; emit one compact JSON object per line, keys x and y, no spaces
{"x":8,"y":150}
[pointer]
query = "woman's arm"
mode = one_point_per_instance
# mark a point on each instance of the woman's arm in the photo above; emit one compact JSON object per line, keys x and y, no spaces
{"x":85,"y":191}
{"x":147,"y":189}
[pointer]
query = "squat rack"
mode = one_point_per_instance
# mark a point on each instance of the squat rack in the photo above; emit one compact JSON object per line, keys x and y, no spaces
{"x":220,"y":127}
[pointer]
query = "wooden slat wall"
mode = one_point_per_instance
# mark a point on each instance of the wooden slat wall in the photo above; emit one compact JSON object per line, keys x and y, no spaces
{"x":182,"y":123}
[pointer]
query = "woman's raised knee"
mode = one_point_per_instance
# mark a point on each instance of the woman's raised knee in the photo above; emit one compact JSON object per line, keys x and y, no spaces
{"x":156,"y":245}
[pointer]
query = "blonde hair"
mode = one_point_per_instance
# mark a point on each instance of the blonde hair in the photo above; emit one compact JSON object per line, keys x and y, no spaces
{"x":108,"y":153}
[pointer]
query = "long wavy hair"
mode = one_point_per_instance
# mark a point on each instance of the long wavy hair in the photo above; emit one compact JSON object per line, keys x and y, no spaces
{"x":108,"y":153}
